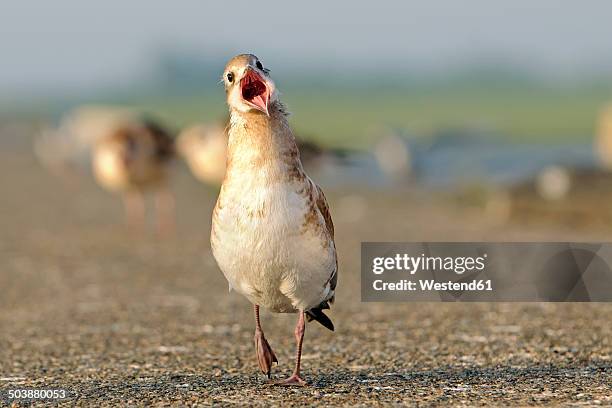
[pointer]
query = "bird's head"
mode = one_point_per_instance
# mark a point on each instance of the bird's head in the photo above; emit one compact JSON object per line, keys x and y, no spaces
{"x":248,"y":84}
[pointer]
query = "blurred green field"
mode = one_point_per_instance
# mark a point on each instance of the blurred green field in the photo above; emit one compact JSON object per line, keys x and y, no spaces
{"x":347,"y":115}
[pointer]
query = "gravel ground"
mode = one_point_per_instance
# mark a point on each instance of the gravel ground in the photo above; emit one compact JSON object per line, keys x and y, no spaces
{"x":119,"y":319}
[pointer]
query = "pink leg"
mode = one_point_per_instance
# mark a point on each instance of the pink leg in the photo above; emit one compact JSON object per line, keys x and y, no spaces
{"x":134,"y":204}
{"x":165,"y":208}
{"x":295,"y":378}
{"x":265,"y":355}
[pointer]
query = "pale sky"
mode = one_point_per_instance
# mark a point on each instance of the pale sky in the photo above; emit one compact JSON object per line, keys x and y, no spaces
{"x":76,"y":44}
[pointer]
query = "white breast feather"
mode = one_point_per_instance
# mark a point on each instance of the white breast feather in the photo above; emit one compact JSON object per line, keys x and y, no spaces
{"x":271,"y":259}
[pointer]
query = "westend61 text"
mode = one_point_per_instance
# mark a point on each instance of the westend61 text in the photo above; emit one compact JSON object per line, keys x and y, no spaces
{"x":432,"y":285}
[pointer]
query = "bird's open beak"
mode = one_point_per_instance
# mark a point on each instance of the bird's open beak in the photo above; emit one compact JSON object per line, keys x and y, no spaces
{"x":255,"y":91}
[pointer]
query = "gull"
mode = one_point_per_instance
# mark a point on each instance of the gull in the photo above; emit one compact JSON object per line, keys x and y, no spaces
{"x":131,"y":158}
{"x":272,"y":234}
{"x":204,"y":148}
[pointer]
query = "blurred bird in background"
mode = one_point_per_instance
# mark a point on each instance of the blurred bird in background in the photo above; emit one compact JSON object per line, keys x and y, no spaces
{"x":204,"y":148}
{"x":131,"y":159}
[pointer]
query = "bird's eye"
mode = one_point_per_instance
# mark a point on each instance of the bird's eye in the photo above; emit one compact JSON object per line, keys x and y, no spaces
{"x":230,"y":77}
{"x":258,"y":65}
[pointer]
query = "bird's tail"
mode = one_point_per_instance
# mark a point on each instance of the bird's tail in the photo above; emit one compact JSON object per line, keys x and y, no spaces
{"x":316,"y":313}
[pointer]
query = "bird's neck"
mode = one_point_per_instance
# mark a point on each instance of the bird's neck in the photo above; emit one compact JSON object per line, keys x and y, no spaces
{"x":262,"y":143}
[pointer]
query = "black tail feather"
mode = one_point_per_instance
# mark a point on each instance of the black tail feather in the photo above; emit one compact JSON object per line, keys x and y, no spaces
{"x":318,"y":315}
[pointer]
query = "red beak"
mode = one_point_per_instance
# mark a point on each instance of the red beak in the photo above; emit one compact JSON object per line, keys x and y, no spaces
{"x":255,"y":90}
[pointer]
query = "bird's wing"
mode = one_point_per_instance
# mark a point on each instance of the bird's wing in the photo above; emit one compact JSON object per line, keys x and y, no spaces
{"x":164,"y":141}
{"x":329,"y":287}
{"x":323,"y":207}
